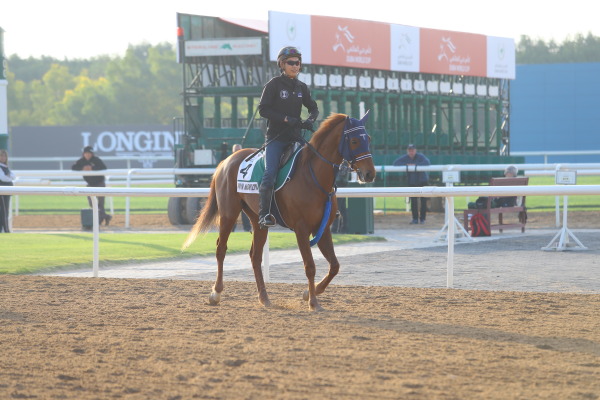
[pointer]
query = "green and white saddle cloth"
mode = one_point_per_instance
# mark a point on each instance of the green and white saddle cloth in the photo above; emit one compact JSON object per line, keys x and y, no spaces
{"x":251,"y":171}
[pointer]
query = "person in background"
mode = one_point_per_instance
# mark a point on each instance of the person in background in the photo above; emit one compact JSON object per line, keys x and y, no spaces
{"x":90,"y":162}
{"x":510,"y":172}
{"x":6,"y":179}
{"x":281,"y":104}
{"x":415,"y":179}
{"x":245,"y":221}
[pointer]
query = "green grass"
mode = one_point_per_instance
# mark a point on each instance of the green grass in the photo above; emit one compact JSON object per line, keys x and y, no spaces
{"x":534,"y":203}
{"x":39,"y":205}
{"x":24,"y":253}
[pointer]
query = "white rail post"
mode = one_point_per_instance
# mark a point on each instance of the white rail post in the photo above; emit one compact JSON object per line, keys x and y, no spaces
{"x":96,"y":234}
{"x":450,"y":262}
{"x":127,"y":199}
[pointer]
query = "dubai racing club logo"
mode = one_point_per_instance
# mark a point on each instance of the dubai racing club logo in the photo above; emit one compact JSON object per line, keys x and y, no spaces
{"x":345,"y":42}
{"x":284,"y":94}
{"x":450,"y":53}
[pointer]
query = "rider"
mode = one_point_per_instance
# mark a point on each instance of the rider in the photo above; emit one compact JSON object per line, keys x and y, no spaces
{"x":281,"y":104}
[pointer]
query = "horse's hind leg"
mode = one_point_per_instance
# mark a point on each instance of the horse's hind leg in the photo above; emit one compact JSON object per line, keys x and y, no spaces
{"x":225,"y":228}
{"x":259,"y":239}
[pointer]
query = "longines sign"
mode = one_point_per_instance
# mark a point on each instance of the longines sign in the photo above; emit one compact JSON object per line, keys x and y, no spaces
{"x":144,"y":141}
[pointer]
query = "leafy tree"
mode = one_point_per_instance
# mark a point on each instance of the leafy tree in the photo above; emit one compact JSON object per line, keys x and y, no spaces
{"x":141,"y":87}
{"x":579,"y":49}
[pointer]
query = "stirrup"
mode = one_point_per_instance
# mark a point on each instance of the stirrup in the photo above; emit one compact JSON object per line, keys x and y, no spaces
{"x":267,"y":221}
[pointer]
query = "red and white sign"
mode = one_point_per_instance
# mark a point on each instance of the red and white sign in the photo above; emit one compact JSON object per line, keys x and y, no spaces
{"x":363,"y":44}
{"x":453,"y":53}
{"x":350,"y":43}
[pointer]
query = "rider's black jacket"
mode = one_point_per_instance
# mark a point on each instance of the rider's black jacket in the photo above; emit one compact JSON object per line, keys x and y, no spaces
{"x":281,"y":97}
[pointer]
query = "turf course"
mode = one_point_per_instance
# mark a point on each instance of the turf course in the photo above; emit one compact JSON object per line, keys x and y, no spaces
{"x":24,"y":253}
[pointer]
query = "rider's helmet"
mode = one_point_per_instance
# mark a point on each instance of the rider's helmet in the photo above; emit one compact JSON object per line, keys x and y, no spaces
{"x":288,"y":52}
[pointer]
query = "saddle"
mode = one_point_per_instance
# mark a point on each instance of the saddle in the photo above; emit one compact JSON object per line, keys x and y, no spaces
{"x":251,"y":171}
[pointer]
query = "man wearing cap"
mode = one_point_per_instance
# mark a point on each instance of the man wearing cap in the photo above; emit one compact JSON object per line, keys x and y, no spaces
{"x":415,"y":178}
{"x":89,"y":162}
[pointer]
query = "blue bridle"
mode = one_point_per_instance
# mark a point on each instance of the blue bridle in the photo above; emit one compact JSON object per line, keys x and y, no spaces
{"x":355,"y":129}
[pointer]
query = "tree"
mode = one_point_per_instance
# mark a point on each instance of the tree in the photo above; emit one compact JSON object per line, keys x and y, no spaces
{"x":579,"y":49}
{"x":141,"y":87}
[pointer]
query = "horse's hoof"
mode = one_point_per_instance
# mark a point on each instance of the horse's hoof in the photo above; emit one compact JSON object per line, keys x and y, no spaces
{"x":264,"y":299}
{"x":305,"y":295}
{"x":316,"y":308}
{"x":214,"y":298}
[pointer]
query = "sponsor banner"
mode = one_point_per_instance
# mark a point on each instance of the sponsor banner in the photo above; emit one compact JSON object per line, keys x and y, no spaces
{"x":350,"y":43}
{"x":375,"y":45}
{"x":453,"y":53}
{"x":404,"y":48}
{"x":144,"y":142}
{"x":501,"y":57}
{"x":223,"y":47}
{"x":289,"y":30}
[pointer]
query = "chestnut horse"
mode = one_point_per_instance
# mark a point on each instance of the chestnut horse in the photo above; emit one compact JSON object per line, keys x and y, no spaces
{"x":302,"y":201}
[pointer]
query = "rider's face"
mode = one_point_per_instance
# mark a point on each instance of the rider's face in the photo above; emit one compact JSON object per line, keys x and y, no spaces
{"x":291,"y":70}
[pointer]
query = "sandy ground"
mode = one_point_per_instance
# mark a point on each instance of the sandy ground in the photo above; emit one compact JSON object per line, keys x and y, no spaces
{"x":85,"y":338}
{"x":78,"y":338}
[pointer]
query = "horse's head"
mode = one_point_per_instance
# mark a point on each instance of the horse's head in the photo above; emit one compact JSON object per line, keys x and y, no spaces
{"x":355,"y":148}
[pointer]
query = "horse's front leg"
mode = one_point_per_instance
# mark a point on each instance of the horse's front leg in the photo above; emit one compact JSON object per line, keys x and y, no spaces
{"x":310,"y":270}
{"x":326,"y":246}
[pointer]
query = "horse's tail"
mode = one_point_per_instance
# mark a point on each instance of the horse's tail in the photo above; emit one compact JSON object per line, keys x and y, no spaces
{"x":207,"y":218}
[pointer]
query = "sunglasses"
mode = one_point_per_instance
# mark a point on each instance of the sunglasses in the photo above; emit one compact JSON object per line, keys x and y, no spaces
{"x":292,"y":63}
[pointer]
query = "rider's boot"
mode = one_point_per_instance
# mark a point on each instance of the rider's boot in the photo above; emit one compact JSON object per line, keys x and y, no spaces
{"x":265,"y":218}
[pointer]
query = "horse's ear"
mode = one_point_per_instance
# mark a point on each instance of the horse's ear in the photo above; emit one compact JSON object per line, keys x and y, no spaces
{"x":365,"y":118}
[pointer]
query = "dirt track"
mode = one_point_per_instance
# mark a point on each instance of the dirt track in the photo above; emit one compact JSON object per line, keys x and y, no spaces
{"x":77,"y":338}
{"x":84,"y":338}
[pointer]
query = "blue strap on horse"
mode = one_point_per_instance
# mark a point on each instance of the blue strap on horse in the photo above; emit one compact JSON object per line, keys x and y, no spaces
{"x":348,"y":156}
{"x":326,"y":214}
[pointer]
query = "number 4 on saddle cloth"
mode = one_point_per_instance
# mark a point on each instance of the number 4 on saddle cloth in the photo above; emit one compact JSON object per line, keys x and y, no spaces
{"x":251,"y":172}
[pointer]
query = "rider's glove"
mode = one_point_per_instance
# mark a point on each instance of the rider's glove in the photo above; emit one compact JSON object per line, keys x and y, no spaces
{"x":291,"y":121}
{"x":307,"y":124}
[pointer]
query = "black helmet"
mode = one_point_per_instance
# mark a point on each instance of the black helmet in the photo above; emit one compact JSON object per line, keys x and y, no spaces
{"x":88,"y":149}
{"x":287,"y":52}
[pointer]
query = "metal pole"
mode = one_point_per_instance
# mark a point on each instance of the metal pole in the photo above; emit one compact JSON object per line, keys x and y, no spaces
{"x":557,"y":210}
{"x":450,"y":262}
{"x":96,"y":234}
{"x":127,"y":199}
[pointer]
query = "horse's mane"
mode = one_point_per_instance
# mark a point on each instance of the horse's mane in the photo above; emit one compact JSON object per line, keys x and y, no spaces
{"x":320,"y":135}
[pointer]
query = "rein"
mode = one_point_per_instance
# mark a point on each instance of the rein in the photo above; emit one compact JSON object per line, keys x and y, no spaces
{"x":348,"y":155}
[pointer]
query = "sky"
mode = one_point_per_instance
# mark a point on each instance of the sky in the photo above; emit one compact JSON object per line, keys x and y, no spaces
{"x":75,"y":29}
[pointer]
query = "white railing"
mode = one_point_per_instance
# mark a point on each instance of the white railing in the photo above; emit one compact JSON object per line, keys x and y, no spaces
{"x":132,"y":176}
{"x":448,"y":192}
{"x":70,"y":160}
